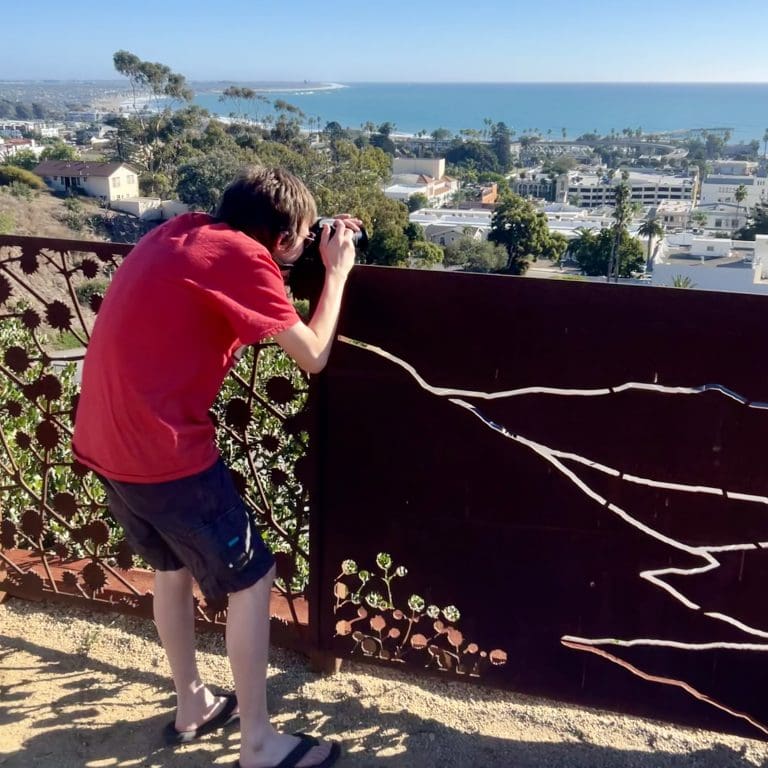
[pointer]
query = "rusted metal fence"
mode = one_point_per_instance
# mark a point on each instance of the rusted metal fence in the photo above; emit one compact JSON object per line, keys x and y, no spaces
{"x":567,"y":482}
{"x":550,"y":486}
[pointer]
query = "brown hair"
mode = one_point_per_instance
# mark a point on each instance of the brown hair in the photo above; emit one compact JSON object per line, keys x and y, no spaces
{"x":265,"y":203}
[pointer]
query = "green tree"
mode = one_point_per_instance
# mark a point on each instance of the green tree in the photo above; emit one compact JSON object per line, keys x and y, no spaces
{"x":740,"y":195}
{"x":472,"y":255}
{"x":680,"y":281}
{"x":582,"y":244}
{"x":383,"y":142}
{"x":622,"y":212}
{"x":333,"y":131}
{"x":24,"y":158}
{"x":757,"y":223}
{"x":244,"y":100}
{"x":650,"y":228}
{"x":202,"y":180}
{"x":472,"y":154}
{"x":500,"y":141}
{"x":426,"y":254}
{"x":156,"y":86}
{"x":523,"y":231}
{"x":415,"y":233}
{"x":388,"y":246}
{"x":59,"y":151}
{"x":596,"y":252}
{"x":417,"y":202}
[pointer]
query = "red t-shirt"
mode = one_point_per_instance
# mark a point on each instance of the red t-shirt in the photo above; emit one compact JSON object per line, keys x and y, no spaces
{"x":182,"y":302}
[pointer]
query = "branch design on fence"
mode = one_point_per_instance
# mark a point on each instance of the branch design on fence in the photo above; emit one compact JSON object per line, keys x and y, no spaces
{"x":53,"y":508}
{"x":366,"y":613}
{"x":707,"y":554}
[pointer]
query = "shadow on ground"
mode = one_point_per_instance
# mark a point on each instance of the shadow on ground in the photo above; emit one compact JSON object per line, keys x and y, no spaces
{"x":83,"y":689}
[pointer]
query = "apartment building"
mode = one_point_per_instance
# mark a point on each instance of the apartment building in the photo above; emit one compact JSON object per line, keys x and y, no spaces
{"x":590,"y":190}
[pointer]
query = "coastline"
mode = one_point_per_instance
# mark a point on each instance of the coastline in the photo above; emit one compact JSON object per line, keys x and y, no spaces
{"x":547,"y":109}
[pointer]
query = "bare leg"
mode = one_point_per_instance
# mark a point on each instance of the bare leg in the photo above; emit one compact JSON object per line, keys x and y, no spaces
{"x":174,"y":618}
{"x":248,"y":648}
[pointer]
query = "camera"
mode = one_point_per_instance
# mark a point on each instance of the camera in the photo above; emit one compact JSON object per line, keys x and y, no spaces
{"x":306,"y":275}
{"x":312,"y":247}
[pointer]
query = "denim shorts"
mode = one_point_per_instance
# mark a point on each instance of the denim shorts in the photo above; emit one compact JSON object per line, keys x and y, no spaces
{"x":198,"y":522}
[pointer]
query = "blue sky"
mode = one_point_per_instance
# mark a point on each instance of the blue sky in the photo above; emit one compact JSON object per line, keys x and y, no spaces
{"x":414,"y":41}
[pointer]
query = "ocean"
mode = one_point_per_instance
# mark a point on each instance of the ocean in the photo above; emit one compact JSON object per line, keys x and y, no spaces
{"x":545,"y":107}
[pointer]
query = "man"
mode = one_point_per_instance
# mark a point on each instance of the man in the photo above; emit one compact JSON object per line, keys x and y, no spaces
{"x":185,"y":299}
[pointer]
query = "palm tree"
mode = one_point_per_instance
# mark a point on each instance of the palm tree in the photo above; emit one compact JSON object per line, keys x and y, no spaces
{"x":765,"y":144}
{"x":582,"y":243}
{"x":650,"y":228}
{"x":740,"y":194}
{"x":621,"y":214}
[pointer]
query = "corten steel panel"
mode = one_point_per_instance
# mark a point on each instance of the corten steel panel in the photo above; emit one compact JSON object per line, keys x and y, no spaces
{"x":546,"y":518}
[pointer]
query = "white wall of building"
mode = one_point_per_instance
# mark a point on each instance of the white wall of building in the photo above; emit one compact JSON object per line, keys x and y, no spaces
{"x":722,"y":189}
{"x":429,"y":166}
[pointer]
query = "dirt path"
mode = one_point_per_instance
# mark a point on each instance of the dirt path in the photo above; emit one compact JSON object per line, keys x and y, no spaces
{"x":71,"y":697}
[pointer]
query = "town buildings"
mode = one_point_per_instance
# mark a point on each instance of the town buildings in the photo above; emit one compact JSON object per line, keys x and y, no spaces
{"x":422,"y":176}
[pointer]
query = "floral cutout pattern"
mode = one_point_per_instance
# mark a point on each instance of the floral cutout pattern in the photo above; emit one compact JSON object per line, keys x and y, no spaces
{"x":366,"y":613}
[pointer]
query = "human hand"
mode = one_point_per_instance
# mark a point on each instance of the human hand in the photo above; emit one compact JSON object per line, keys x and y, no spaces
{"x":338,"y":249}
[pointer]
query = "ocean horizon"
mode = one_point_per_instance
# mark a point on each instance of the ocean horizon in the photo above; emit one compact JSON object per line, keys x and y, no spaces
{"x":548,"y":108}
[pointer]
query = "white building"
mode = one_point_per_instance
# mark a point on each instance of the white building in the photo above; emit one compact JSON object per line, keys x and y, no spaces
{"x":722,"y":189}
{"x":421,"y":176}
{"x":108,"y":181}
{"x":713,"y":264}
{"x":590,"y":190}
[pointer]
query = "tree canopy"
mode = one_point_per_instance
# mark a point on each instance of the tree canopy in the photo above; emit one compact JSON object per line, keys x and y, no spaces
{"x":524,"y":233}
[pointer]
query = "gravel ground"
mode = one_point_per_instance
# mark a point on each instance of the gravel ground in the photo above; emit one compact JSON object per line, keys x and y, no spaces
{"x":82,"y":689}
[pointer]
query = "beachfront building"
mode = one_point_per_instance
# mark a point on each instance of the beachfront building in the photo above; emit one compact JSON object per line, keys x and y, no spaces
{"x":107,"y":181}
{"x":721,"y":188}
{"x":590,"y":190}
{"x":713,"y":263}
{"x":421,"y":176}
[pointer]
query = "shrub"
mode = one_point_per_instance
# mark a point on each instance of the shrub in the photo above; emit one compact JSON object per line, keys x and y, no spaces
{"x":11,"y":173}
{"x":85,"y":291}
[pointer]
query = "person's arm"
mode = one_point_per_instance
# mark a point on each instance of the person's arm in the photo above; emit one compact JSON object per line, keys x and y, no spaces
{"x":309,"y":344}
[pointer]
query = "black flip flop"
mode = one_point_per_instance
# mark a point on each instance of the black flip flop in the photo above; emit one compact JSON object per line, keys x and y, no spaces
{"x":305,"y":744}
{"x":173,"y":737}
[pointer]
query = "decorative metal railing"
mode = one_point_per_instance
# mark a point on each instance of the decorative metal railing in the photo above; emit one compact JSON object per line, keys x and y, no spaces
{"x":56,"y":535}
